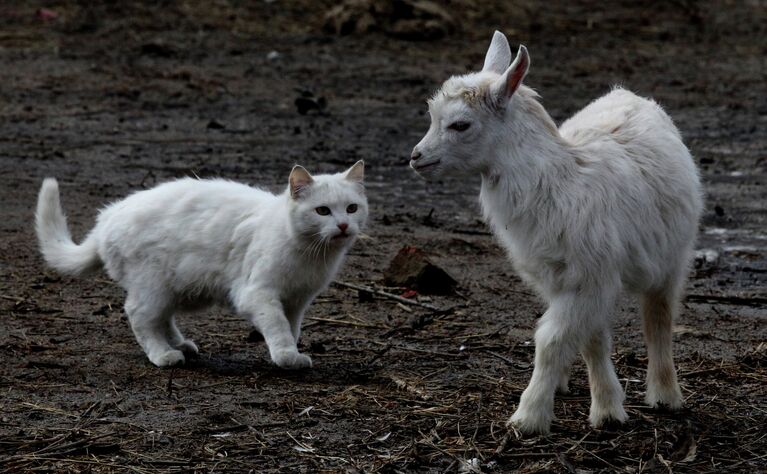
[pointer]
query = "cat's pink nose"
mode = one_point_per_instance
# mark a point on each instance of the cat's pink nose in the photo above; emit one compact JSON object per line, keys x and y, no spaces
{"x":343,"y":226}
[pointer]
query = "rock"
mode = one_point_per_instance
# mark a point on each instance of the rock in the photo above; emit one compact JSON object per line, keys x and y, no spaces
{"x":706,"y":257}
{"x":158,"y":49}
{"x":412,"y":268}
{"x":306,"y":103}
{"x":46,"y":15}
{"x":354,"y":16}
{"x":406,"y":19}
{"x":215,"y":125}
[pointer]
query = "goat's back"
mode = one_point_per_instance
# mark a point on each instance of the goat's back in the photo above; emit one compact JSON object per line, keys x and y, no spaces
{"x":621,"y":116}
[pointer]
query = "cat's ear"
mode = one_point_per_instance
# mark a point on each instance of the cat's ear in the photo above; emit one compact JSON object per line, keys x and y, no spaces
{"x":357,"y":172}
{"x":300,"y":179}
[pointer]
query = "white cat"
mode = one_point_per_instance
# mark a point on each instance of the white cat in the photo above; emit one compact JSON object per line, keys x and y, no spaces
{"x":190,"y":242}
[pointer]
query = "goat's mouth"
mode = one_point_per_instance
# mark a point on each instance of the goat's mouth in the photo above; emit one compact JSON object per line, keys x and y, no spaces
{"x":418,"y":166}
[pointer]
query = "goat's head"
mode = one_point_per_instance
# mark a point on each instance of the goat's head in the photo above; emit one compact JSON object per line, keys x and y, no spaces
{"x":468,"y":114}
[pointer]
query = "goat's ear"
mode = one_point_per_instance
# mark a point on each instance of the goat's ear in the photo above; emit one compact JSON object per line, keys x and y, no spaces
{"x":512,"y":78}
{"x":498,"y":55}
{"x":300,"y":179}
{"x":356,"y":172}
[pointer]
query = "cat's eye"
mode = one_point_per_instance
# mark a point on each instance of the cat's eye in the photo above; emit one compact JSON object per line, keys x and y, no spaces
{"x":323,"y":210}
{"x":351,"y":208}
{"x":459,"y":126}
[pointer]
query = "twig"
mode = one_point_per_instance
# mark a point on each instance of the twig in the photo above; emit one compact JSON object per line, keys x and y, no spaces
{"x":12,"y":298}
{"x":733,"y":300}
{"x":347,"y":323}
{"x":422,"y":351}
{"x":386,"y":294}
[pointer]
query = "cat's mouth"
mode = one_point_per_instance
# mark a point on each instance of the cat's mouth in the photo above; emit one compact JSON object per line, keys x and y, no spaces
{"x":340,"y":237}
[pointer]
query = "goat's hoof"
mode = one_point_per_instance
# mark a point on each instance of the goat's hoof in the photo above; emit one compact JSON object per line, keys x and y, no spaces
{"x":527,"y":424}
{"x":669,"y":398}
{"x":608,"y":417}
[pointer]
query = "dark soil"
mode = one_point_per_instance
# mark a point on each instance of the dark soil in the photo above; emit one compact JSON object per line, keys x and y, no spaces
{"x":111,"y":97}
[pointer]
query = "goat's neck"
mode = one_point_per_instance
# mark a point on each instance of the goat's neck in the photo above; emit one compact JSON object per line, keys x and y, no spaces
{"x":530,"y":170}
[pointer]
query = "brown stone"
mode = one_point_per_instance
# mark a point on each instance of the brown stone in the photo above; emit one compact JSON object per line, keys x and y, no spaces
{"x":412,"y":268}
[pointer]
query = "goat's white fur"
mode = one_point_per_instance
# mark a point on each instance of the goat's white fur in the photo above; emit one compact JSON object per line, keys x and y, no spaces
{"x":609,"y":201}
{"x":189,"y":242}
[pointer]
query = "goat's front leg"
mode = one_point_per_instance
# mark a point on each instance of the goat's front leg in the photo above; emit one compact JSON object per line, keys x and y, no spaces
{"x":265,"y":311}
{"x":568,"y":319}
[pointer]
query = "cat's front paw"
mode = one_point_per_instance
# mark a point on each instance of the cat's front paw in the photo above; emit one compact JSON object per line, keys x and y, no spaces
{"x":167,"y":358}
{"x":291,"y":359}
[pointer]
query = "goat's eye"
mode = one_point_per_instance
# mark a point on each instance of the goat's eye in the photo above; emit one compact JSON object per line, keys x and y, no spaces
{"x":351,"y":208}
{"x":459,"y":126}
{"x":323,"y":210}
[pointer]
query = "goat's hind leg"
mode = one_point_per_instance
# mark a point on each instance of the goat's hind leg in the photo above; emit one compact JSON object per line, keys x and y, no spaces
{"x":658,"y":311}
{"x":606,"y":392}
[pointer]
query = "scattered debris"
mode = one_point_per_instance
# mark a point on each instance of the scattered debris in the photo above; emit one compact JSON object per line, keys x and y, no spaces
{"x":470,"y":466}
{"x":386,"y":294}
{"x":406,"y":19}
{"x":719,"y":210}
{"x":103,"y":310}
{"x":705,"y":257}
{"x":409,"y":386}
{"x":46,"y":14}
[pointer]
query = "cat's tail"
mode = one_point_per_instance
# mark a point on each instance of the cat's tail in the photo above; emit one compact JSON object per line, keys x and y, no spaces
{"x":56,"y":244}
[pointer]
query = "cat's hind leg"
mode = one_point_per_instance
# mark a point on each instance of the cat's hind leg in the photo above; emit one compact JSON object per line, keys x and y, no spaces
{"x":177,"y":340}
{"x":149,"y":308}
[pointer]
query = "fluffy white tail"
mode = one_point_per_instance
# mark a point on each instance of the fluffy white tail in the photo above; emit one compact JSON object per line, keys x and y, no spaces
{"x":56,"y":244}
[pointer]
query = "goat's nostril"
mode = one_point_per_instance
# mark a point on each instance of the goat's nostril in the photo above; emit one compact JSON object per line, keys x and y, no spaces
{"x":415,"y":155}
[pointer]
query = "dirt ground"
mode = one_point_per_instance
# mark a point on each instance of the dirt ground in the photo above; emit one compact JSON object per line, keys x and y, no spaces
{"x":111,"y":97}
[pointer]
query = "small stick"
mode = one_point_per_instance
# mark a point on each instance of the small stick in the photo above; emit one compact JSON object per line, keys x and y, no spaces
{"x":12,"y":298}
{"x":347,"y":323}
{"x":422,"y":351}
{"x":726,"y":299}
{"x":386,"y":294}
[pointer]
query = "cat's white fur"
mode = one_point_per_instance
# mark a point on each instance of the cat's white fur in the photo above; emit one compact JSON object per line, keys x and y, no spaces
{"x":190,"y":242}
{"x":609,"y":201}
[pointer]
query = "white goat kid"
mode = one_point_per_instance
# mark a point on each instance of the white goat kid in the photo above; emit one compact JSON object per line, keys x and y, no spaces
{"x":609,"y":201}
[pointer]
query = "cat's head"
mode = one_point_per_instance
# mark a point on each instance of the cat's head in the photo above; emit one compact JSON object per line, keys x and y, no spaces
{"x":328,"y":209}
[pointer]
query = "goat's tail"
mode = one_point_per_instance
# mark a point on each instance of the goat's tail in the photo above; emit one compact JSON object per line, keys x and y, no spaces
{"x":56,"y":244}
